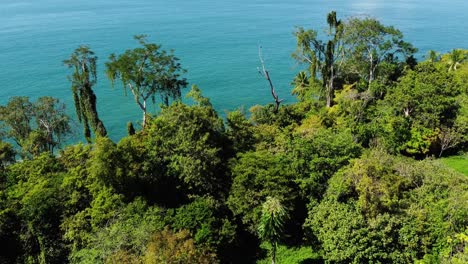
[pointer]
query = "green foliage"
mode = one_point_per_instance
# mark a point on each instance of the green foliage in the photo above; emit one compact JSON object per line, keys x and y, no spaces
{"x":372,"y":47}
{"x":285,"y":116}
{"x":426,"y":98}
{"x":320,"y":156}
{"x":388,"y":209}
{"x":147,"y":71}
{"x":34,"y":196}
{"x":358,"y":51}
{"x":91,"y":202}
{"x":240,"y":131}
{"x":194,"y":188}
{"x":286,"y":254}
{"x":84,"y":77}
{"x":36,"y":127}
{"x":192,"y":145}
{"x":16,"y":118}
{"x":455,"y":58}
{"x":128,"y":232}
{"x":7,"y":154}
{"x":181,"y":154}
{"x":170,"y":247}
{"x":301,"y":85}
{"x":162,"y":246}
{"x":204,"y":220}
{"x":270,"y":228}
{"x":323,"y":57}
{"x":272,"y":220}
{"x":256,"y":176}
{"x":196,"y":95}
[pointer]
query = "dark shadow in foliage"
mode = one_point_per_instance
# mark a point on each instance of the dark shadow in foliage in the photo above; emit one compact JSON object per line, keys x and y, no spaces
{"x":313,"y":261}
{"x":35,"y":199}
{"x":133,"y":171}
{"x":10,"y":227}
{"x":285,"y":116}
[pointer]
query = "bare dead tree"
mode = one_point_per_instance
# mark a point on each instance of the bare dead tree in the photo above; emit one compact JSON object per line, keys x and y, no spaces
{"x":264,"y":72}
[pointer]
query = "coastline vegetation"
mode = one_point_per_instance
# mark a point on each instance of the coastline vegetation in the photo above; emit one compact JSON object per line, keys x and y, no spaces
{"x":368,"y":166}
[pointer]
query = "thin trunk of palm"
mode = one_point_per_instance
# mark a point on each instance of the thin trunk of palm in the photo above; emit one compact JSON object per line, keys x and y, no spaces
{"x":273,"y":252}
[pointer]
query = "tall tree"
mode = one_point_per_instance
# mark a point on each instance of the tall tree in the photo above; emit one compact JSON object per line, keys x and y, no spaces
{"x":83,"y":63}
{"x":370,"y":43}
{"x":147,"y":71}
{"x":324,"y":58}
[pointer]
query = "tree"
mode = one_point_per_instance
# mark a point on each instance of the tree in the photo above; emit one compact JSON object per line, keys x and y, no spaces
{"x":456,"y":58}
{"x":176,"y":247}
{"x":317,"y":158}
{"x":181,"y":154}
{"x":35,"y":126}
{"x":207,"y":222}
{"x":449,"y":137}
{"x":271,"y":224}
{"x":426,"y":98}
{"x":83,"y":63}
{"x":265,"y":73}
{"x":16,"y":118}
{"x":257,"y":175}
{"x":147,"y":71}
{"x":36,"y":199}
{"x":370,"y":44}
{"x":240,"y":131}
{"x":301,"y":84}
{"x":325,"y":57}
{"x":386,"y":209}
{"x":433,"y":56}
{"x":52,"y":121}
{"x":7,"y":154}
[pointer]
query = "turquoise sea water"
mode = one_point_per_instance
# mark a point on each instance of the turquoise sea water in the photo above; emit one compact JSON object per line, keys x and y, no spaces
{"x":216,"y":41}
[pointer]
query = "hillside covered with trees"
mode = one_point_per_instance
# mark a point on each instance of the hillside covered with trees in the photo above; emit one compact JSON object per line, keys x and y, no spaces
{"x":355,"y":171}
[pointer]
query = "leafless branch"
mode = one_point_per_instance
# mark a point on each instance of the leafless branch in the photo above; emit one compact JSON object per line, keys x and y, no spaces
{"x":264,"y":72}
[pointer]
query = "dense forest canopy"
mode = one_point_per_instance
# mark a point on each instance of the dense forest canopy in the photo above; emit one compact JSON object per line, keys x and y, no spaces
{"x":352,"y":172}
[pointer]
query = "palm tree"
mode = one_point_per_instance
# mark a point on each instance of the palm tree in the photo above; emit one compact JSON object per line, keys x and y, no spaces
{"x":455,"y":58}
{"x":433,"y":56}
{"x":271,"y":224}
{"x":301,"y":83}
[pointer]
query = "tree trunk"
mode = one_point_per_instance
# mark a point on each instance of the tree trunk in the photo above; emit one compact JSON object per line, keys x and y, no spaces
{"x":441,"y":152}
{"x":328,"y":99}
{"x":144,"y":114}
{"x":371,"y":71}
{"x":266,"y":74}
{"x":330,"y":91}
{"x":273,"y":253}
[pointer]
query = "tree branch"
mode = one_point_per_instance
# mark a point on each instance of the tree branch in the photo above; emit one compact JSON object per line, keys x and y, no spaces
{"x":264,"y":72}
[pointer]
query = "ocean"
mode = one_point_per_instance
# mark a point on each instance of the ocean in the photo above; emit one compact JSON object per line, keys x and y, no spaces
{"x":216,"y":41}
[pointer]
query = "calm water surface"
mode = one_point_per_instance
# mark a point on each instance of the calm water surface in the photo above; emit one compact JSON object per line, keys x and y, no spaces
{"x":216,"y":41}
